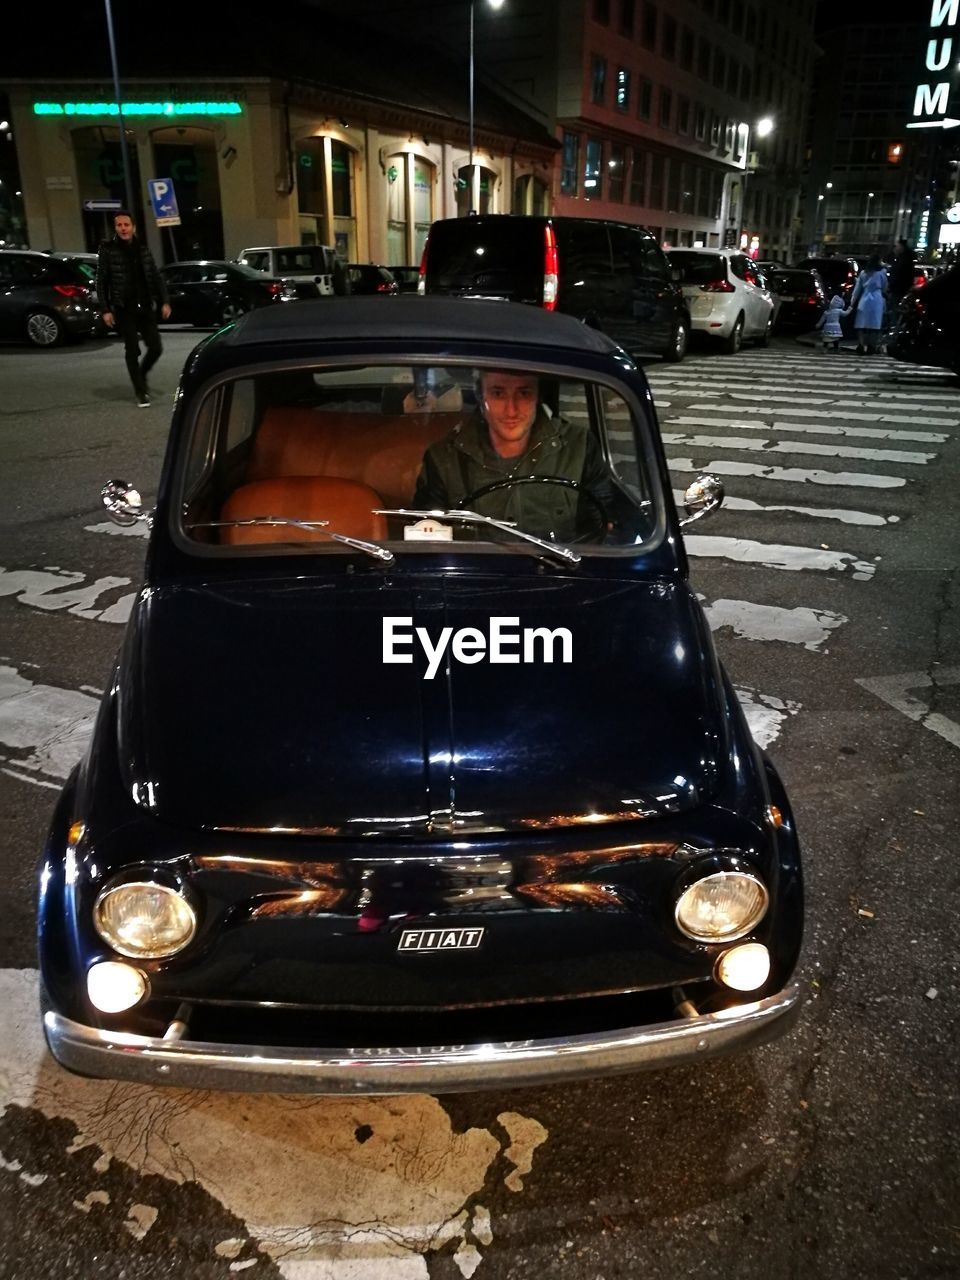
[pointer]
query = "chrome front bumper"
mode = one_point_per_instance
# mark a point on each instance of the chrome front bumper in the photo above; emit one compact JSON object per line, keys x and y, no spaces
{"x":435,"y":1069}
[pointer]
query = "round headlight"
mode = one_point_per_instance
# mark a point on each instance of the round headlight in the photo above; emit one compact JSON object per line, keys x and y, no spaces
{"x":144,"y":919}
{"x":721,"y":906}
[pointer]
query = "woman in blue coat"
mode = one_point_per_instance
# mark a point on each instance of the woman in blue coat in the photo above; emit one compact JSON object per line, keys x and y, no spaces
{"x":869,"y":304}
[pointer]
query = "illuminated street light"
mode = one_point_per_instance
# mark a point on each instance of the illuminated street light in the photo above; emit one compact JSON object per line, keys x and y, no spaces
{"x":765,"y":127}
{"x":494,"y":4}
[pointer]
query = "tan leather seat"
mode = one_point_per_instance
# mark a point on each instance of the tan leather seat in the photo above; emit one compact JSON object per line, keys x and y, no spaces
{"x":347,"y":506}
{"x":382,"y":451}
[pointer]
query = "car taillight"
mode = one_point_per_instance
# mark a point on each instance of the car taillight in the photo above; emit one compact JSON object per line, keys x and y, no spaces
{"x":717,"y":286}
{"x":72,"y":290}
{"x":549,"y":269}
{"x":422,"y":278}
{"x":273,"y":287}
{"x":920,"y":280}
{"x":383,"y":287}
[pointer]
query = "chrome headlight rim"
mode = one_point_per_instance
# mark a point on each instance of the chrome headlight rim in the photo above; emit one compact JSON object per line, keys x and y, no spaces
{"x":144,"y":881}
{"x":714,"y":872}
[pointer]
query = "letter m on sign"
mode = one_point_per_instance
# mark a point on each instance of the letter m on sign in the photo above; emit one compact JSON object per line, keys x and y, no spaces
{"x":931,"y":101}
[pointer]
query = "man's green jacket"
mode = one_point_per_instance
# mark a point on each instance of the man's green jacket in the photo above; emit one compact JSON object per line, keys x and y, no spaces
{"x":464,"y":461}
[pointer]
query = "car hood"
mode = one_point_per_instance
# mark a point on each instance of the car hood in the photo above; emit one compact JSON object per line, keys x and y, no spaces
{"x":268,"y":706}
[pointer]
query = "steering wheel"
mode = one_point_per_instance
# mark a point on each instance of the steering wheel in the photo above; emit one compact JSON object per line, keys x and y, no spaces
{"x":594,"y":533}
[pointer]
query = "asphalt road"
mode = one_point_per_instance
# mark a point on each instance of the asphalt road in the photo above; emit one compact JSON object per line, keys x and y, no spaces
{"x":831,"y":582}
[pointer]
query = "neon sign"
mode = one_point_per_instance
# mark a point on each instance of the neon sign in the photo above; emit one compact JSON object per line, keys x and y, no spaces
{"x":141,"y":108}
{"x":932,"y":100}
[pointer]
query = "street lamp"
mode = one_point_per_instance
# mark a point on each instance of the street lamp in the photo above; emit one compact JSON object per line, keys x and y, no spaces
{"x":763,"y":128}
{"x":127,"y":184}
{"x":474,"y":193}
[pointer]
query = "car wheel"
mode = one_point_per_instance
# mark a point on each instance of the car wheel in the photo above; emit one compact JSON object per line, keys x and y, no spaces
{"x":679,"y":343}
{"x":232,"y":310}
{"x":730,"y":346}
{"x":44,"y":329}
{"x":764,"y":339}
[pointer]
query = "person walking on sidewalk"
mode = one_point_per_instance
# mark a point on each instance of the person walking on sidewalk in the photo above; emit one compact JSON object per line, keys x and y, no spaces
{"x":131,"y":290}
{"x":869,"y":303}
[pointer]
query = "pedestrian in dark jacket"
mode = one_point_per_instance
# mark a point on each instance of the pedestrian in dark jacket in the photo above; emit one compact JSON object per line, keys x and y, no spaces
{"x":131,"y":289}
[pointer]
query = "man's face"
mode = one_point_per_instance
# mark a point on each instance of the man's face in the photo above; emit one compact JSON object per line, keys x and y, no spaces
{"x":509,"y":404}
{"x":124,"y":227}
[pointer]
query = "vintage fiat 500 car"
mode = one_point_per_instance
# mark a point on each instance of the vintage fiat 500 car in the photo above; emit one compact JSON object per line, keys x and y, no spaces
{"x":418,"y":770}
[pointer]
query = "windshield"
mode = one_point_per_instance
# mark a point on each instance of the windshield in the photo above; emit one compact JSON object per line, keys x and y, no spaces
{"x":698,"y":268}
{"x":399,"y":457}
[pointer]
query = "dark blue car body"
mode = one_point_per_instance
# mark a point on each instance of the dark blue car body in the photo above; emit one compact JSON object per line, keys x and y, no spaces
{"x":337,"y":821}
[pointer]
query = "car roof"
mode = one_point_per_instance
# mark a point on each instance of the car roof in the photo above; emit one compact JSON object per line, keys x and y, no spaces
{"x":439,"y":319}
{"x":201,"y":262}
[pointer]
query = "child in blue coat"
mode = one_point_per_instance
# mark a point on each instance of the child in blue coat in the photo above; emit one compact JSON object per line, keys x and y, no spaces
{"x":829,"y":322}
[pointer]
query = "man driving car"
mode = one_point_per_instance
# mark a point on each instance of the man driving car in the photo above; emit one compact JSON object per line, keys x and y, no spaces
{"x":510,"y":439}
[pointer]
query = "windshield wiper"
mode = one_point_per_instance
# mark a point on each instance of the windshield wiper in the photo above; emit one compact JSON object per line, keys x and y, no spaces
{"x":474,"y":517}
{"x":371,"y":548}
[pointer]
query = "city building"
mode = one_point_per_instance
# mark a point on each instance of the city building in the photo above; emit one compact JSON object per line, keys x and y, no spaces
{"x":687,"y":117}
{"x":871,"y":179}
{"x":265,"y":141}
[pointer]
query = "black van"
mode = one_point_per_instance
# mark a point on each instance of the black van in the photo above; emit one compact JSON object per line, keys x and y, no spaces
{"x":611,"y":275}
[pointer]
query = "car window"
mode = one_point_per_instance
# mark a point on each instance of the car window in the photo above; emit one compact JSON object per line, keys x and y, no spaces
{"x":349,"y":444}
{"x":306,"y":260}
{"x":584,"y":250}
{"x":6,"y":270}
{"x":698,"y":268}
{"x":257,"y":260}
{"x":739,"y":266}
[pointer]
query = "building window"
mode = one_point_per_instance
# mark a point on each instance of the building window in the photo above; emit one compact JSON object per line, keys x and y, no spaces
{"x":719,"y":68}
{"x":716,"y":126}
{"x":657,"y":166}
{"x":623,"y":89}
{"x":700,"y":122}
{"x":666,"y":107}
{"x":683,"y":115}
{"x":686,"y":49}
{"x":648,"y":33}
{"x":615,"y":169}
{"x":669,"y":45}
{"x":341,"y":167}
{"x":638,"y":177}
{"x":593,"y":169}
{"x":703,"y":58}
{"x":601,"y":11}
{"x":598,"y":80}
{"x":570,"y":164}
{"x":644,"y":99}
{"x":733,"y":76}
{"x":626,"y":18}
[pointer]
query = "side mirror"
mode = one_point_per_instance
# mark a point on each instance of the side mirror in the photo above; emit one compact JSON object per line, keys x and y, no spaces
{"x":702,"y":497}
{"x":124,"y":504}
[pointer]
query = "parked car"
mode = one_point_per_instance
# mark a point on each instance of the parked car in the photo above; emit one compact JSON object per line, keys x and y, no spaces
{"x":388,"y":799}
{"x":927,"y":327}
{"x":726,"y":295}
{"x":407,"y":278}
{"x":799,"y":298}
{"x":211,"y":292}
{"x":310,"y":267}
{"x":43,"y":301}
{"x":365,"y":277}
{"x":611,"y":275}
{"x":839,"y":275}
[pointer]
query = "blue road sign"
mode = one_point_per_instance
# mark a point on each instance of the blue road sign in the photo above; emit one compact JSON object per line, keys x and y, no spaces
{"x":102,"y":206}
{"x":164,"y":201}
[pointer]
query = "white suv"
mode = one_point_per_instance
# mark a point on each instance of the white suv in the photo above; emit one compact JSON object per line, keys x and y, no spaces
{"x":309,"y":267}
{"x":726,"y":295}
